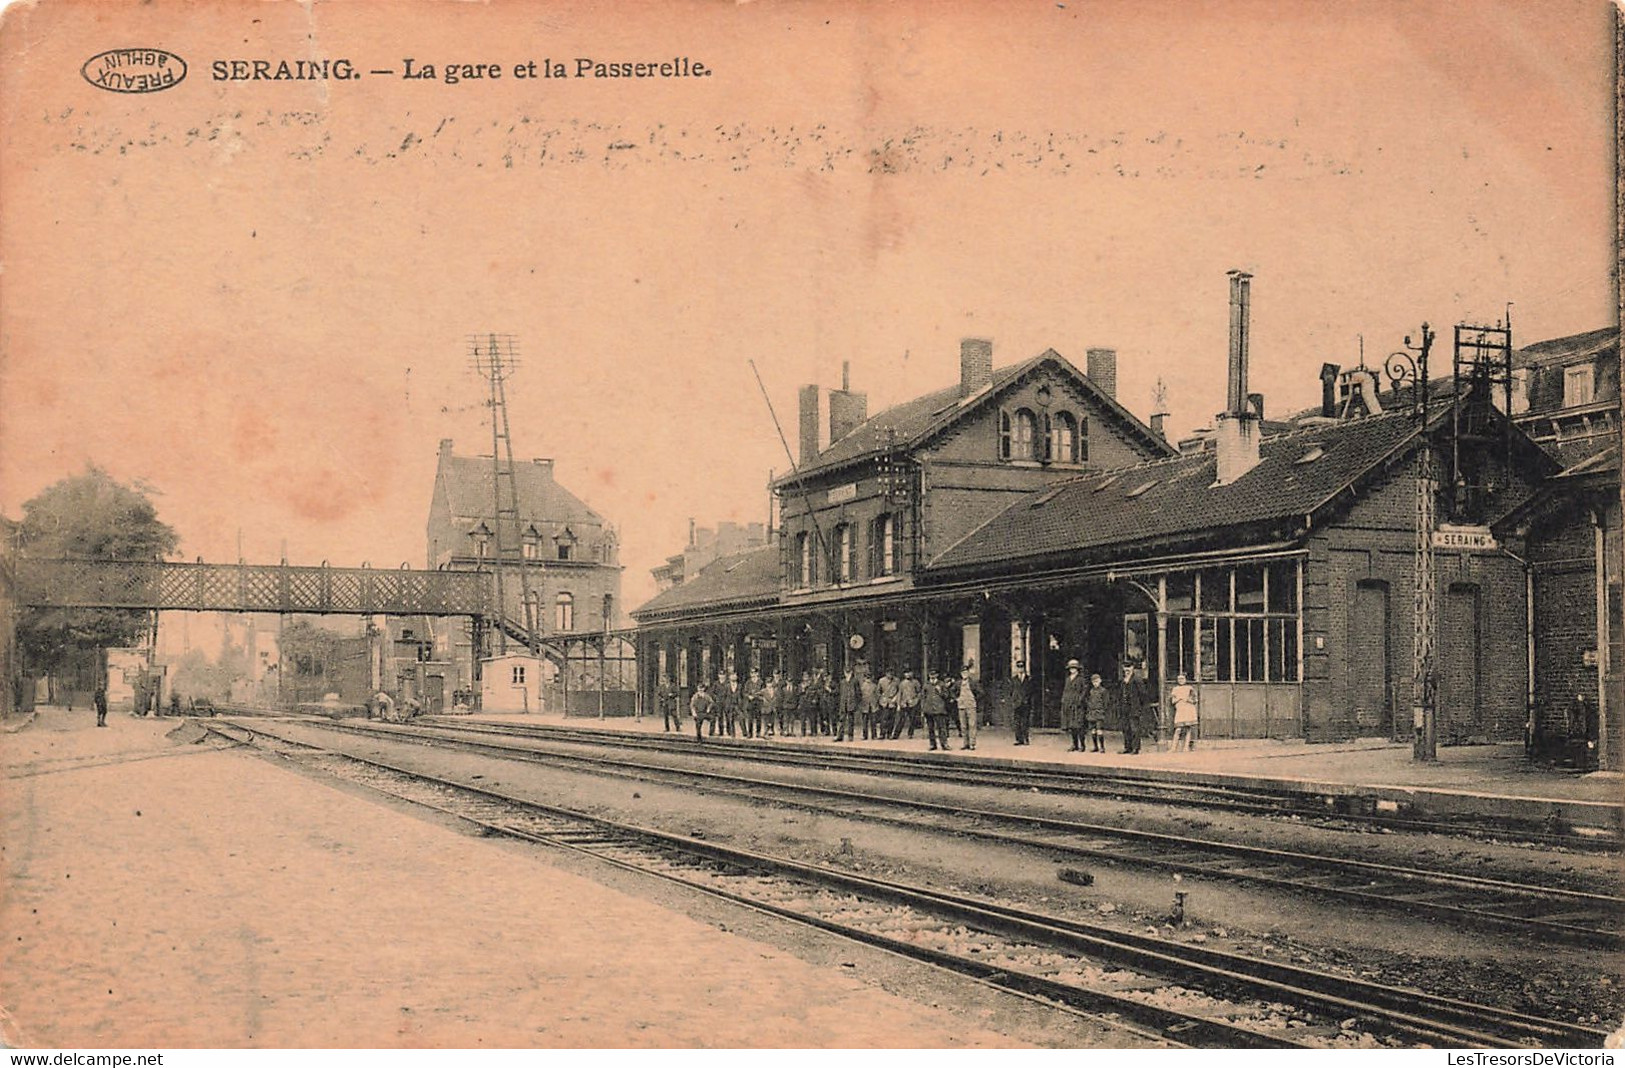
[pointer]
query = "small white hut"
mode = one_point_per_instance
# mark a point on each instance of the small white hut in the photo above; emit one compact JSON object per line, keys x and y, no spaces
{"x":511,"y":683}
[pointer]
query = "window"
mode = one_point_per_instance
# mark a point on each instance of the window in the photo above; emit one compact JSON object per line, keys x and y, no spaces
{"x":1235,"y":624}
{"x":1063,"y":448}
{"x":1025,"y":438}
{"x":804,"y":560}
{"x":1083,"y":440}
{"x":883,"y":556}
{"x":519,"y":674}
{"x":529,"y":549}
{"x":564,"y":612}
{"x":842,"y":564}
{"x":1004,"y":435}
{"x":565,"y":549}
{"x":1579,"y":385}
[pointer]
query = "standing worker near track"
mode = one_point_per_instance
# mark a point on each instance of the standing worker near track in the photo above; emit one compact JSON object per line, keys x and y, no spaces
{"x":1134,"y":705}
{"x":846,"y":706}
{"x":1021,"y":696}
{"x":702,"y":706}
{"x":970,"y":702}
{"x":888,"y":703}
{"x":935,"y":708}
{"x":908,"y":705}
{"x":666,"y":698}
{"x":784,"y":710}
{"x":808,"y":705}
{"x":869,"y":707}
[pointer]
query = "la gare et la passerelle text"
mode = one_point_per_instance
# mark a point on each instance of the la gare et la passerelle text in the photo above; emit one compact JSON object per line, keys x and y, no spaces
{"x":453,"y":73}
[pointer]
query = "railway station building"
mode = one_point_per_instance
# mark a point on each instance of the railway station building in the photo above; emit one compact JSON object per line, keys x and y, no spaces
{"x":1025,"y":515}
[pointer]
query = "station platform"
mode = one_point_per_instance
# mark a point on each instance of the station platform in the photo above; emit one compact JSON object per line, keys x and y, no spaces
{"x":162,"y":894}
{"x":1487,"y":782}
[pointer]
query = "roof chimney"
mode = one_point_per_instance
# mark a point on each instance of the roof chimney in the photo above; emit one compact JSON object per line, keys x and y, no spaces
{"x":809,"y":425}
{"x":975,"y":365}
{"x":445,"y":449}
{"x":1157,"y":419}
{"x":1328,"y":389}
{"x":1237,"y":429}
{"x":1240,"y":335}
{"x":1103,"y":370}
{"x":846,"y":409}
{"x":1255,"y":404}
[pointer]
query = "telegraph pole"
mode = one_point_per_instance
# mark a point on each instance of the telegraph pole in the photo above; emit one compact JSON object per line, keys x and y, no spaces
{"x":496,"y":357}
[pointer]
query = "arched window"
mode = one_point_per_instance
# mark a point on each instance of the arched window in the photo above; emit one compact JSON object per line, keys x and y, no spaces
{"x":564,"y":612}
{"x":883,"y":546}
{"x":1063,"y":445}
{"x":841,"y":566}
{"x":1024,"y":436}
{"x":1083,"y":440}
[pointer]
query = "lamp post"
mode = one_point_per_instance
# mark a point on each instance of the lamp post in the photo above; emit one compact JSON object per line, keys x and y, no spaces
{"x":482,"y":538}
{"x":1410,"y":364}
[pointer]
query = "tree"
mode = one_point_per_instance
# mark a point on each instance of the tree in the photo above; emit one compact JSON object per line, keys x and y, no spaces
{"x":87,"y":516}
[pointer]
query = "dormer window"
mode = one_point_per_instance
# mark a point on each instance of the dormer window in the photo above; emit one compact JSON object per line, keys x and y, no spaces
{"x":530,"y":540}
{"x":1579,"y":385}
{"x":565,"y":544}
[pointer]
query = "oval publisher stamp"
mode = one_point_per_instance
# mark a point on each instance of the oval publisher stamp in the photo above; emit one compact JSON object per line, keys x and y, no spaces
{"x":134,"y":70}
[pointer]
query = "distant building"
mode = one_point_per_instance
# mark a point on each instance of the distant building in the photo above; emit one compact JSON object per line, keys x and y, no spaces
{"x":704,"y":546}
{"x":566,"y":553}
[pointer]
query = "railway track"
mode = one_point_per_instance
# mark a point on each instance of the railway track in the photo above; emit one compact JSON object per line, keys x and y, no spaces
{"x":1187,"y":995}
{"x":1542,"y":912}
{"x":1113,"y":783}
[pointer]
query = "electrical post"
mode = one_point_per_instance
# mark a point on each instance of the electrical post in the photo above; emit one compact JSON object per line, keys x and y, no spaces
{"x":1411,"y":365}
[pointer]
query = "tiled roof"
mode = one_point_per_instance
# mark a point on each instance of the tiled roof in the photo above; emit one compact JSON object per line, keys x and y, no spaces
{"x":1173,"y":500}
{"x":911,"y":423}
{"x":468,"y":492}
{"x":742,"y":579}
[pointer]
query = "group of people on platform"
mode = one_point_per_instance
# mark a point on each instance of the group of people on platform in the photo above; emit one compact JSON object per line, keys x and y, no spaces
{"x":887,"y":707}
{"x":820,"y":704}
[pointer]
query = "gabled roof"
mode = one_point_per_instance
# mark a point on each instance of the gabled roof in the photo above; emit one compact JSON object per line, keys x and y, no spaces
{"x":1169,"y":502}
{"x":736,"y":581}
{"x":913,"y":423}
{"x":467,"y":483}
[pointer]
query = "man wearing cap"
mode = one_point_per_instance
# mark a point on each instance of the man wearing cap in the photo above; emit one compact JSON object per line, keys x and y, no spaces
{"x":1133,"y":701}
{"x":908,"y":705}
{"x":936,"y":712}
{"x":1021,"y":693}
{"x":970,"y":701}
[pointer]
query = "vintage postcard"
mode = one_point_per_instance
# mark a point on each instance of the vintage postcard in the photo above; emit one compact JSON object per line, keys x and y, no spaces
{"x":823,"y":524}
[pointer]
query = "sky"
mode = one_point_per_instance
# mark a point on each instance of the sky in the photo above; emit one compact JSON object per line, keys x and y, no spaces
{"x":255,"y":296}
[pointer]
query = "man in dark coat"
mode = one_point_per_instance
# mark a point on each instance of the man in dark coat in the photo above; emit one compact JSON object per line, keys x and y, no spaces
{"x":100,"y":701}
{"x":846,"y":716}
{"x":1021,"y":694}
{"x":1133,"y":705}
{"x":703,"y":706}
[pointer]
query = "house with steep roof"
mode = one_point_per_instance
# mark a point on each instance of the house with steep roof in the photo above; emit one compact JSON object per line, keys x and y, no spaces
{"x":568,"y":556}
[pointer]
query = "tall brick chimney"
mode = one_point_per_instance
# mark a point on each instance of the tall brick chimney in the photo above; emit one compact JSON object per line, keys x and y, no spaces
{"x":1238,"y":427}
{"x":1328,"y":389}
{"x":846,"y":408}
{"x":1102,"y":370}
{"x":975,"y":364}
{"x":809,"y":425}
